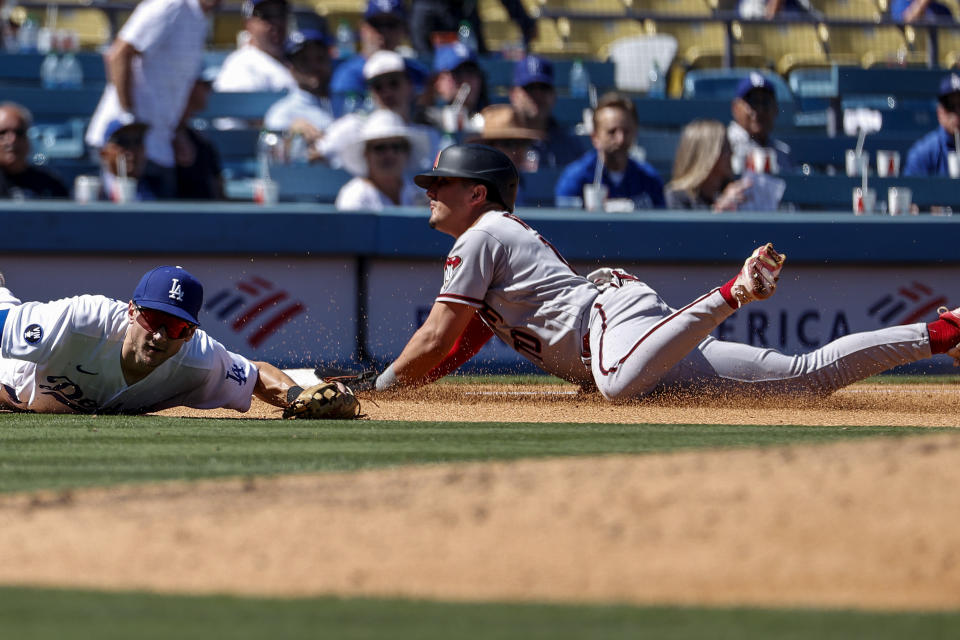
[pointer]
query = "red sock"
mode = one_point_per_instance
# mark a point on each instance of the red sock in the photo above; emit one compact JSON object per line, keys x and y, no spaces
{"x":944,"y":335}
{"x":727,"y":292}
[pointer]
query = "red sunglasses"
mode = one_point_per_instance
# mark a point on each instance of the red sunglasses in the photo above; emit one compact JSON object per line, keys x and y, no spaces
{"x":152,"y":321}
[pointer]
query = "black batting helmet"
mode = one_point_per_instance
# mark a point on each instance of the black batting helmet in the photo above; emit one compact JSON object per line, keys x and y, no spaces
{"x":476,"y":162}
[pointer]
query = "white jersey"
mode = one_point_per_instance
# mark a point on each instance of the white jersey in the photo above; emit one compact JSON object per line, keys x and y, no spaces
{"x":64,"y":357}
{"x":251,"y":69}
{"x":528,"y":294}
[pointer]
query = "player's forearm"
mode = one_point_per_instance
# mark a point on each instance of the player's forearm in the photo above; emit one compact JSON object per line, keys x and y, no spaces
{"x":425,"y":351}
{"x":119,"y":61}
{"x":273,"y":385}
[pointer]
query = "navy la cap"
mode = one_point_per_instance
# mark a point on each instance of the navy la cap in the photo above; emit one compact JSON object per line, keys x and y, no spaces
{"x":172,"y":290}
{"x":389,"y":7}
{"x":246,"y":9}
{"x":754,"y":81}
{"x":949,"y":84}
{"x":532,"y":69}
{"x":299,"y":39}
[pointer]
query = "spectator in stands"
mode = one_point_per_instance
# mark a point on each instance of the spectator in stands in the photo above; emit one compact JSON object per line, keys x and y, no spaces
{"x":702,"y":175}
{"x":124,"y":155}
{"x":455,"y":70}
{"x":533,"y":96}
{"x":928,"y":156}
{"x":768,"y":9}
{"x":199,"y":170}
{"x":388,"y":75}
{"x":908,"y":11}
{"x":754,"y":113}
{"x":380,"y":159}
{"x":260,"y":64}
{"x":152,"y":66}
{"x":614,"y":131}
{"x":445,"y":16}
{"x":306,"y":110}
{"x":18,"y":178}
{"x":383,"y":28}
{"x":503,"y":130}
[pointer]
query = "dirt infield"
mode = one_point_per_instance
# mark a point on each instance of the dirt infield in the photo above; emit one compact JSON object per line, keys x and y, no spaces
{"x":868,"y":524}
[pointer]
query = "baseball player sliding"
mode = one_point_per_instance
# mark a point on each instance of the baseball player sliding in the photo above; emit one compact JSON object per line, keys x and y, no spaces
{"x":91,"y":354}
{"x":609,"y":329}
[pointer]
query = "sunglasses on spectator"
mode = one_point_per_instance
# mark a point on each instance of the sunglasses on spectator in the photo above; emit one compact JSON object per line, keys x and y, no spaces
{"x":396,"y":147}
{"x":385,"y":83}
{"x":153,"y":320}
{"x":19,"y":132}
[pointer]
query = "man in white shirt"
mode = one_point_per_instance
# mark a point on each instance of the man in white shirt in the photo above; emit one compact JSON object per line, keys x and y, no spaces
{"x":306,"y":110}
{"x":92,"y":354}
{"x":151,"y":68}
{"x":259,"y":65}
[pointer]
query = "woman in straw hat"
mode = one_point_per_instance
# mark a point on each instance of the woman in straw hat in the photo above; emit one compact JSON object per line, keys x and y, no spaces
{"x":379,"y":159}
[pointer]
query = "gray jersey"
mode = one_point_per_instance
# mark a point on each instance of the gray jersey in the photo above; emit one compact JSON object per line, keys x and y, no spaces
{"x":528,"y":294}
{"x":64,"y":357}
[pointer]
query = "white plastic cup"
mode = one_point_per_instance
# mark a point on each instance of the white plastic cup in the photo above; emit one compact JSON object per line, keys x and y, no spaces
{"x":86,"y":189}
{"x":124,"y":190}
{"x":953,"y":164}
{"x":762,"y":160}
{"x":888,"y":164}
{"x":856,"y":164}
{"x":265,"y":191}
{"x":451,"y":119}
{"x":594,"y":196}
{"x":899,"y":200}
{"x":863,"y":203}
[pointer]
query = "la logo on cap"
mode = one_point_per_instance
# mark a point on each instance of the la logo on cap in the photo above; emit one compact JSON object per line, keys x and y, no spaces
{"x":176,"y":291}
{"x":955,"y":81}
{"x":756,"y":79}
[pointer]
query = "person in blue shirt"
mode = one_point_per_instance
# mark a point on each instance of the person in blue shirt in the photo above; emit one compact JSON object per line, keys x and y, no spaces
{"x":384,"y":27}
{"x":928,"y":156}
{"x":913,"y":10}
{"x":534,"y":96}
{"x":615,"y":126}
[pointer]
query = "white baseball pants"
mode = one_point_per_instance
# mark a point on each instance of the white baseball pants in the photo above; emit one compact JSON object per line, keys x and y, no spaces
{"x":639,"y":345}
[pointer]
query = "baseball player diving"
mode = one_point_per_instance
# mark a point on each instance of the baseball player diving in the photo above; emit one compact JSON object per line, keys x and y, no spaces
{"x":92,"y":354}
{"x":608,"y":329}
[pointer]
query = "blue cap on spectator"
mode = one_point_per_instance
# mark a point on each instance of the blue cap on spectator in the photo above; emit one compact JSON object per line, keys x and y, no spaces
{"x":532,"y":69}
{"x":117,"y":127}
{"x":298,"y":39}
{"x":754,"y":81}
{"x":949,"y":84}
{"x":393,"y":8}
{"x":450,"y":56}
{"x":171,"y":290}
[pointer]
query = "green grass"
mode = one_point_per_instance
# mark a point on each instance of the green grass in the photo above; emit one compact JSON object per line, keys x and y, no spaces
{"x":56,"y":452}
{"x":39,"y":614}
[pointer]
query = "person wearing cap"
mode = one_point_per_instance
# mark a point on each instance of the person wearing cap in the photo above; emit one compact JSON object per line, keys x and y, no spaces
{"x":754,"y":112}
{"x":433,"y":17}
{"x":383,"y":28}
{"x":93,"y":354}
{"x":533,"y":96}
{"x":151,"y":68}
{"x":123,"y":157}
{"x":929,"y":155}
{"x":388,"y":76}
{"x":379,"y":159}
{"x":615,"y":127}
{"x":260,"y":64}
{"x":199,"y":169}
{"x":19,"y":178}
{"x":456,"y":69}
{"x":503,"y":131}
{"x":305,"y":110}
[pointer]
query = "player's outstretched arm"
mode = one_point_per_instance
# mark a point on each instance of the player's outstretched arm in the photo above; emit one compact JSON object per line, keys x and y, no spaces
{"x":273,"y":385}
{"x":429,"y":346}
